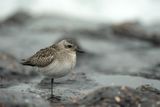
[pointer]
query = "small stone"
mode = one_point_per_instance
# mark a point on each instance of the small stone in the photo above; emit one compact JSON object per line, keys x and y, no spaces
{"x":123,"y":88}
{"x":158,"y":103}
{"x":117,"y":99}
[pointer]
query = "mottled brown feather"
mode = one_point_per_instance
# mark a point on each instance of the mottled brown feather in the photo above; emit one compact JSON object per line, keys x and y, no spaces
{"x":42,"y":58}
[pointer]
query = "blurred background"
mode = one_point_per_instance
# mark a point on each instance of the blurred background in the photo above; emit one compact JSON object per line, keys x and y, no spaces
{"x":97,"y":10}
{"x":121,"y":39}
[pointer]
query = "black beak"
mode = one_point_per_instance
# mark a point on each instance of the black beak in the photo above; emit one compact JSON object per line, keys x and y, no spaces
{"x":80,"y":50}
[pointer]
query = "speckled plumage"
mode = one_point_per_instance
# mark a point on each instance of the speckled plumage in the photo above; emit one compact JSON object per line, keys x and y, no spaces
{"x":56,"y":60}
{"x":42,"y":58}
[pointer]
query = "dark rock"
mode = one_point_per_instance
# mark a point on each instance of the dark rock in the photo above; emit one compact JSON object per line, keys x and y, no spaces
{"x":148,"y":89}
{"x":11,"y":71}
{"x":14,"y":99}
{"x":18,"y":18}
{"x":136,"y":30}
{"x":121,"y":97}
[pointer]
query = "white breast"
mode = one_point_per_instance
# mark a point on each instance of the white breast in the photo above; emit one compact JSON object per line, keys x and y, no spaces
{"x":61,"y":68}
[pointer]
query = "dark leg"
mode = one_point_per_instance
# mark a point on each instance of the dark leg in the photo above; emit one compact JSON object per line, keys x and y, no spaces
{"x":52,"y":82}
{"x":53,"y":97}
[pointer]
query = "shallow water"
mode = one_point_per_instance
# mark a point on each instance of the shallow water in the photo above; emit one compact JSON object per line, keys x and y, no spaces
{"x":121,"y":80}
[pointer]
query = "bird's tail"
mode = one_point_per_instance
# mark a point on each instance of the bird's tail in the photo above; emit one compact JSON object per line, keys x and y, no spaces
{"x":23,"y":62}
{"x":26,"y":62}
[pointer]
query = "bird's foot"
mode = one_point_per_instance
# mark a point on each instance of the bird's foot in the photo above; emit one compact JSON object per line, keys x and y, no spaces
{"x":54,"y":98}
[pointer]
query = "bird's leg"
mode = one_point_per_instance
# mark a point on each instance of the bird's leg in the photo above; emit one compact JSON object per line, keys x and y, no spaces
{"x":52,"y":82}
{"x":53,"y":97}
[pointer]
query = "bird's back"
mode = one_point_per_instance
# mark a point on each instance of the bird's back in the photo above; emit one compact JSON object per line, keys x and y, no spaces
{"x":42,"y":58}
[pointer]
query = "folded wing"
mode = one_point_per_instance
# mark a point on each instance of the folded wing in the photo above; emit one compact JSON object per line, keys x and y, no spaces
{"x":41,"y":59}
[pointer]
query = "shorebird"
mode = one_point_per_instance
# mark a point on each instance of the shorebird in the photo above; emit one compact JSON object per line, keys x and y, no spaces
{"x":55,"y":61}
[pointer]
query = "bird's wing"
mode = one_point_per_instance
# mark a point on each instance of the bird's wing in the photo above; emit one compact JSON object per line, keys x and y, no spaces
{"x":42,"y":58}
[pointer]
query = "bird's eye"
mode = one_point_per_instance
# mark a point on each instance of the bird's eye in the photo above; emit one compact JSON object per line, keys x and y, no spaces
{"x":69,"y":46}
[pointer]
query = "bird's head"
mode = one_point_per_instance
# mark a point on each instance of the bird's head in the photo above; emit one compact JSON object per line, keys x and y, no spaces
{"x":69,"y":45}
